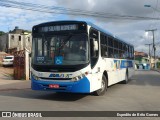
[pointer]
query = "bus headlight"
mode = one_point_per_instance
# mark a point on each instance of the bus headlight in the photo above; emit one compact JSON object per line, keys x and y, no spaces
{"x":74,"y":79}
{"x":35,"y":77}
{"x":77,"y":78}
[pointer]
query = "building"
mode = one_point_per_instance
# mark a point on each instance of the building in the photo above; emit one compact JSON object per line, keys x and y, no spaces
{"x":3,"y":42}
{"x":142,"y":59}
{"x":16,"y":40}
{"x":140,"y":54}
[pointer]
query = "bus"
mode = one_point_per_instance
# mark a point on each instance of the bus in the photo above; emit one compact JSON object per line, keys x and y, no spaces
{"x":78,"y":57}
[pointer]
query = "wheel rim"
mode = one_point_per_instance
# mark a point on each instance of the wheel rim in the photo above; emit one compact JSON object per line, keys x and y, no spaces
{"x":103,"y":85}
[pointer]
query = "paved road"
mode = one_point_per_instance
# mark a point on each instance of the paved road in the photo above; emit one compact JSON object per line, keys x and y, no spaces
{"x":141,"y":94}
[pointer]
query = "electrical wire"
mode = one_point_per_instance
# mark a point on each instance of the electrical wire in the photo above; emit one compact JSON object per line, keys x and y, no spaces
{"x":62,"y":10}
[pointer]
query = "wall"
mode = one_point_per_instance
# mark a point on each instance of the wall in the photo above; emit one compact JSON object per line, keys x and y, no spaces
{"x":15,"y":42}
{"x":3,"y":42}
{"x":27,"y":41}
{"x":20,"y":41}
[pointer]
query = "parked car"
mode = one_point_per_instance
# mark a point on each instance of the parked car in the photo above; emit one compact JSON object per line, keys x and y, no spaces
{"x":8,"y":61}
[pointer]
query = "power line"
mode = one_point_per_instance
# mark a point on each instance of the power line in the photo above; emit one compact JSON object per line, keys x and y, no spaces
{"x":62,"y":10}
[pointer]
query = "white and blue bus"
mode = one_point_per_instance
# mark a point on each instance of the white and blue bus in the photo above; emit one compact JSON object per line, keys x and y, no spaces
{"x":78,"y":57}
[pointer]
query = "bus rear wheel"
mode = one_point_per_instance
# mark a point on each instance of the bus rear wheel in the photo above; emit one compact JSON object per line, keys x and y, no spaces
{"x":103,"y":88}
{"x":126,"y":79}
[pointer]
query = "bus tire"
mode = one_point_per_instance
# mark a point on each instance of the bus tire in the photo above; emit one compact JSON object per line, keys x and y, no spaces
{"x":126,"y":79}
{"x":103,"y":89}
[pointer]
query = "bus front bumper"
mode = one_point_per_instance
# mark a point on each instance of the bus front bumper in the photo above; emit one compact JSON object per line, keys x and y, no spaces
{"x":81,"y":86}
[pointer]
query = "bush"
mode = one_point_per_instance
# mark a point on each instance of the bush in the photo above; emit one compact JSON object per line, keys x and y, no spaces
{"x":158,"y":64}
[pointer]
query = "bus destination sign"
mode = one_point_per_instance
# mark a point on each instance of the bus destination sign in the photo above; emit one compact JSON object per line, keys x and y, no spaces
{"x":58,"y":28}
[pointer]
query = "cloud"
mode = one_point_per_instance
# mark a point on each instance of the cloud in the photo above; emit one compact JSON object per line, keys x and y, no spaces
{"x":132,"y":31}
{"x":25,"y":19}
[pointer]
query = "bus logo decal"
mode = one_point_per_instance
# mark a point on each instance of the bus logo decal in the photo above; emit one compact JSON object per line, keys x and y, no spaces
{"x":52,"y":75}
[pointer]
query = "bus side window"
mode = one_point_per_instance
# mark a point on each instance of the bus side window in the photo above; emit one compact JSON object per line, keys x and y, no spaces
{"x":104,"y":48}
{"x":110,"y":52}
{"x":94,"y":46}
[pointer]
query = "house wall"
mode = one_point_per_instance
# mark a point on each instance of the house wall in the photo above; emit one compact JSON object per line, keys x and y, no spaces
{"x":20,"y":41}
{"x":3,"y":42}
{"x":27,"y":41}
{"x":15,"y":41}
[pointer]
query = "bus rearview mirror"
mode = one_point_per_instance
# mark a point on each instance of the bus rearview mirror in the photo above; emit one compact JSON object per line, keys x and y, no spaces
{"x":95,"y":45}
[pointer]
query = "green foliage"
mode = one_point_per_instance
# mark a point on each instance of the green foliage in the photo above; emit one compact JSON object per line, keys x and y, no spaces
{"x":1,"y":33}
{"x":158,"y":64}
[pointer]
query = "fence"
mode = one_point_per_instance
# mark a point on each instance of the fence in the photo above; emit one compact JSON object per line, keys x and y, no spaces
{"x":21,"y":65}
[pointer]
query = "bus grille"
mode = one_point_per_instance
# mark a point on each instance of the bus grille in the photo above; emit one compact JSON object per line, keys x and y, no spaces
{"x":42,"y":78}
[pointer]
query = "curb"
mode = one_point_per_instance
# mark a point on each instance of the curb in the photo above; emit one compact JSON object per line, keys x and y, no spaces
{"x":156,"y":70}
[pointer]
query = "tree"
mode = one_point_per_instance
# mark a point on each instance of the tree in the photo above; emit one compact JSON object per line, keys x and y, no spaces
{"x":1,"y":33}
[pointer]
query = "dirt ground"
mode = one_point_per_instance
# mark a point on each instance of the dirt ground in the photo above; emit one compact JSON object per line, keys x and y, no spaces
{"x":6,"y":73}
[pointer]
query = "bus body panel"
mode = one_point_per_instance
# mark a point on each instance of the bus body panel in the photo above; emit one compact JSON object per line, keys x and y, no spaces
{"x":115,"y":68}
{"x":82,"y":86}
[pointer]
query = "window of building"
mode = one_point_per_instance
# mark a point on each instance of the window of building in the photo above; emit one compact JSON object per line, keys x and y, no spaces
{"x":28,"y":39}
{"x":12,"y":37}
{"x":19,"y":38}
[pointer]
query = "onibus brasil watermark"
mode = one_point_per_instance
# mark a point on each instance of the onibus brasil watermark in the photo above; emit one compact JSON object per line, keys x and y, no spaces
{"x":21,"y":114}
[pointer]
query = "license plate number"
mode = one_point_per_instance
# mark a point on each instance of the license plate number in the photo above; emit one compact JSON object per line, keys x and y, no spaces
{"x":53,"y":86}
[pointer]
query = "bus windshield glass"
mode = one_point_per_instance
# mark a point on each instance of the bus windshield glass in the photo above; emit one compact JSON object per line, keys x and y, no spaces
{"x":60,"y":50}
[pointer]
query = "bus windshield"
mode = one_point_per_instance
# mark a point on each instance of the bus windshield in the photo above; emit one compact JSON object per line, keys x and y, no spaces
{"x":60,"y":50}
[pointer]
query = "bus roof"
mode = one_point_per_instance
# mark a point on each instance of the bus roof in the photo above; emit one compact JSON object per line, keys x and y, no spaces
{"x":106,"y":32}
{"x":90,"y":24}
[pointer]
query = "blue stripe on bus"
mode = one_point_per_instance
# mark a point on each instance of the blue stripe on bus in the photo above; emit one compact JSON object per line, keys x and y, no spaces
{"x":81,"y":86}
{"x":119,"y":64}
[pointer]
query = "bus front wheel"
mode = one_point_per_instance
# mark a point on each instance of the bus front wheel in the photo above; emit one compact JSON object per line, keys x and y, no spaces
{"x":103,"y":88}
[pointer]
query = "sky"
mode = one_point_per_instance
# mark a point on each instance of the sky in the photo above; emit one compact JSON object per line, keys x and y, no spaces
{"x":132,"y":31}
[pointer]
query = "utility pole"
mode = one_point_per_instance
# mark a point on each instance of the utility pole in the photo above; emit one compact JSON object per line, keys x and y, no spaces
{"x":149,"y":53}
{"x":154,"y":48}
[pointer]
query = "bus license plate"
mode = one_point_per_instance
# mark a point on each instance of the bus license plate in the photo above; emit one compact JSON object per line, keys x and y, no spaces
{"x":53,"y":86}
